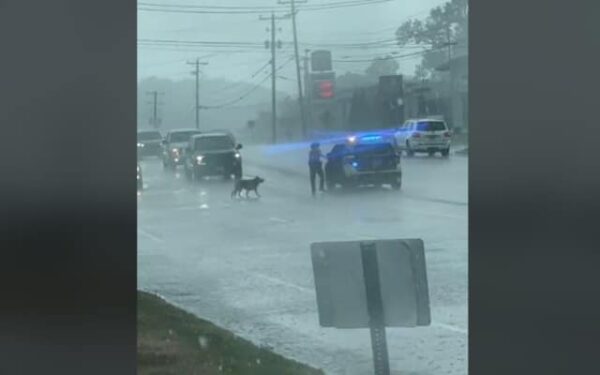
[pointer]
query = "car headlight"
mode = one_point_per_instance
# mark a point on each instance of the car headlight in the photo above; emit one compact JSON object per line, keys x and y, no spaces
{"x":199,"y":159}
{"x":175,"y":151}
{"x":237,"y":155}
{"x":140,"y":145}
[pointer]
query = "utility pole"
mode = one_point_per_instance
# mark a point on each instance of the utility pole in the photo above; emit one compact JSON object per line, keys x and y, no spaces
{"x":154,"y":120}
{"x":307,"y":90}
{"x":273,"y":44}
{"x":297,"y":56}
{"x":196,"y":72}
{"x":449,"y":43}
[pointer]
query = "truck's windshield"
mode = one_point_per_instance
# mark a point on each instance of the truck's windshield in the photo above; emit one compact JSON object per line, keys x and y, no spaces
{"x":183,"y":136}
{"x":212,"y":143}
{"x":148,"y":136}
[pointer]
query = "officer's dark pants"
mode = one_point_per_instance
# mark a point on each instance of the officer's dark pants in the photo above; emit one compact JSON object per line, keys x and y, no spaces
{"x":316,"y":169}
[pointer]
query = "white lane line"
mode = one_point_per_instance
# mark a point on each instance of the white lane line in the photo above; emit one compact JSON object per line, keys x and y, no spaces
{"x":191,"y":208}
{"x":278,"y":220}
{"x":450,"y":328}
{"x":434,"y":214}
{"x":151,"y":236}
{"x":275,"y":280}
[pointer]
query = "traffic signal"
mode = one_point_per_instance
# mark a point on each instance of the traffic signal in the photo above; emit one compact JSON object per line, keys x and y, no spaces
{"x":323,"y":85}
{"x":320,"y":61}
{"x":325,"y":89}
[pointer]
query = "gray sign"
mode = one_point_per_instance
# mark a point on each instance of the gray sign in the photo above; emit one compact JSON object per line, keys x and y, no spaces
{"x":340,"y":283}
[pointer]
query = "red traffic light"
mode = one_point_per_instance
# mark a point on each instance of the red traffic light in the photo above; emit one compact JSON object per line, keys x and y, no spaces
{"x":325,"y":89}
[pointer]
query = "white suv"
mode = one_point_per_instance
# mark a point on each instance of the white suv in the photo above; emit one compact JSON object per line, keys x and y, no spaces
{"x":424,"y":135}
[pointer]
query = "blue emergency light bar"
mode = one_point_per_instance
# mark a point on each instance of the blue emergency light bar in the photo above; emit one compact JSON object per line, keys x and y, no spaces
{"x":370,"y":138}
{"x":365,"y":138}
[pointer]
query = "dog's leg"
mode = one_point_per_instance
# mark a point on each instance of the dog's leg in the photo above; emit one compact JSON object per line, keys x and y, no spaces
{"x":256,"y":192}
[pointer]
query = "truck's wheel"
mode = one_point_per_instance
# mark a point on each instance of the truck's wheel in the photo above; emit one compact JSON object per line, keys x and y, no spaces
{"x":397,"y":184}
{"x":409,"y":151}
{"x":446,"y":152}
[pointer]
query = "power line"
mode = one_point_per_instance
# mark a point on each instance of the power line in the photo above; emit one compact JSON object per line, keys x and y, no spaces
{"x":242,"y":97}
{"x":341,"y":4}
{"x":240,"y":83}
{"x":246,"y":10}
{"x":174,"y":48}
{"x":250,"y":91}
{"x":230,"y":7}
{"x":211,"y":43}
{"x":413,"y":54}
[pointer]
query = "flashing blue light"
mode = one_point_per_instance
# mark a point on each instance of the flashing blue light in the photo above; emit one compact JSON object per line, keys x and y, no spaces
{"x":354,"y":164}
{"x":369,"y":138}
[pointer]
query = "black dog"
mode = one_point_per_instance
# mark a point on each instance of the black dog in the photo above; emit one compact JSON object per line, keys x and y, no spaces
{"x":247,"y":185}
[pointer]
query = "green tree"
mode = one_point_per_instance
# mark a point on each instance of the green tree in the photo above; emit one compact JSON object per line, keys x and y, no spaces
{"x":382,"y":67}
{"x":447,"y":23}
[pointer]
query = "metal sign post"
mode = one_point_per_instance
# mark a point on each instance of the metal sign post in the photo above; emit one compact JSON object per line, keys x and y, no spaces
{"x":375,"y":308}
{"x":372,"y":284}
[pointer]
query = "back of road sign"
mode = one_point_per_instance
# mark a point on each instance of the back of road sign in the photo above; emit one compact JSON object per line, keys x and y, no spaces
{"x":340,"y":283}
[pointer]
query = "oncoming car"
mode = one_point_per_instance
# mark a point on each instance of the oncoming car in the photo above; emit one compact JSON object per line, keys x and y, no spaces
{"x":366,"y":160}
{"x":174,"y":147}
{"x":149,"y":143}
{"x":140,"y":179}
{"x":424,"y":135}
{"x":213,"y":154}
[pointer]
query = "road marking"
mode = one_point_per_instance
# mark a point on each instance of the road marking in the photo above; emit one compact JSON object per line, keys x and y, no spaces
{"x":278,"y":220}
{"x":275,"y":280}
{"x":282,"y":282}
{"x":151,"y":236}
{"x":450,"y":328}
{"x":434,"y":214}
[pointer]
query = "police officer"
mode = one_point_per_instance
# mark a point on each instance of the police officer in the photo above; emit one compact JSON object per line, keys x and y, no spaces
{"x":315,"y":167}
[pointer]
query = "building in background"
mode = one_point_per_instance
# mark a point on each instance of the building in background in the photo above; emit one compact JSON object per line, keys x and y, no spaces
{"x":457,"y":71}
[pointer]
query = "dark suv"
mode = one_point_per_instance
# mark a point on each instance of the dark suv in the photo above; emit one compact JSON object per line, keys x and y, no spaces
{"x":372,"y":160}
{"x":212,"y":154}
{"x":174,"y":146}
{"x":149,"y":143}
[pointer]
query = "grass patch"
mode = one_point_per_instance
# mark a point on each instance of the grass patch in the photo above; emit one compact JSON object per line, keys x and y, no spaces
{"x":172,"y":341}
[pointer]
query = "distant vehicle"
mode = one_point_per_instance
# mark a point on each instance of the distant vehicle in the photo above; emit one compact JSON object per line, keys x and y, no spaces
{"x":174,"y":146}
{"x":149,"y":143}
{"x":213,"y":154}
{"x":364,"y":160}
{"x":140,"y":179}
{"x":424,"y":135}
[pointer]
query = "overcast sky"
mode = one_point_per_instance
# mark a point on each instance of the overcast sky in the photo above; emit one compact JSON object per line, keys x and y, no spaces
{"x":359,"y":24}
